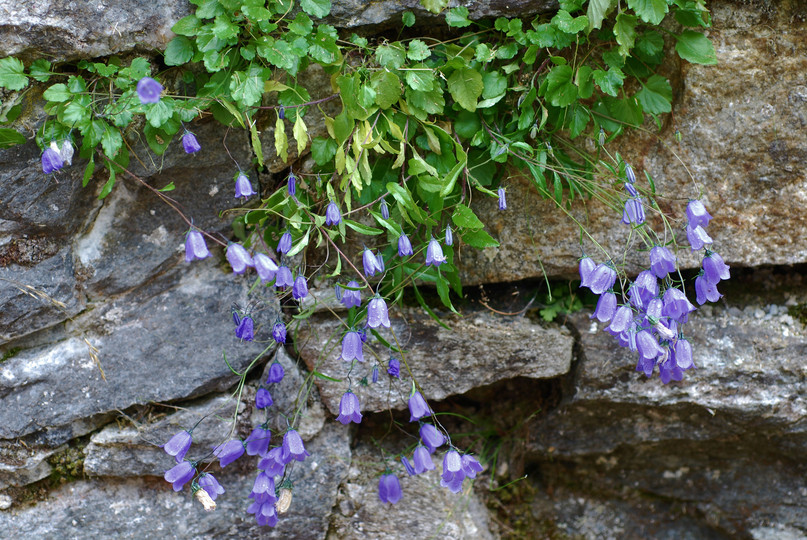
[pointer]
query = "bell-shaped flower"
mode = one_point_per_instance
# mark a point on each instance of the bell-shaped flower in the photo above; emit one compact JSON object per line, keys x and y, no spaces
{"x":384,"y":210}
{"x":646,"y":287}
{"x":470,"y":466}
{"x":263,"y":398}
{"x":714,"y":268}
{"x":300,"y":288}
{"x":265,"y":512}
{"x":276,"y":371}
{"x":178,"y":445}
{"x":189,"y":143}
{"x":404,"y":246}
{"x":422,"y":460}
{"x":631,"y":190}
{"x":683,"y":354}
{"x":239,"y":258}
{"x":676,"y":305}
{"x":449,"y":236}
{"x":209,"y":483}
{"x":602,"y":278}
{"x":389,"y":489}
{"x":418,"y":407}
{"x":394,"y":369}
{"x":634,"y":212}
{"x":229,"y":452}
{"x":646,"y":366}
{"x":706,"y":291}
{"x":273,"y":464}
{"x":431,"y":437}
{"x":370,"y":262}
{"x":697,"y":237}
{"x":502,"y":199}
{"x":586,"y":270}
{"x":283,"y":277}
{"x":434,"y":253}
{"x":669,"y":371}
{"x":149,"y":90}
{"x":279,"y":332}
{"x":377,"y":313}
{"x":662,"y":262}
{"x":180,"y":475}
{"x":408,"y":466}
{"x":351,"y":297}
{"x":351,"y":347}
{"x":293,"y":446}
{"x":258,"y":441}
{"x":653,"y":309}
{"x":606,"y":307}
{"x":621,"y":319}
{"x":452,"y":475}
{"x":263,"y":489}
{"x":629,"y":174}
{"x":243,"y":187}
{"x":380,"y":261}
{"x":245,"y":329}
{"x":292,"y":185}
{"x":349,"y":409}
{"x":51,"y":160}
{"x":284,"y":245}
{"x":332,"y":214}
{"x":195,"y":246}
{"x":647,"y":345}
{"x":265,"y":266}
{"x":374,"y":376}
{"x":697,"y":215}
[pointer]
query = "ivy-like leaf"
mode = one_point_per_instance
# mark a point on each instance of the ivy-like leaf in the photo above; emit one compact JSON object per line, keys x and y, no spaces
{"x":420,"y":78}
{"x":391,"y":56}
{"x":655,"y":95}
{"x":625,"y":32}
{"x":179,"y":51}
{"x":465,"y":86}
{"x":650,"y":11}
{"x":609,"y":81}
{"x":159,"y":113}
{"x":457,"y":17}
{"x":301,"y":25}
{"x":11,"y":74}
{"x":695,"y":47}
{"x":564,"y":22}
{"x":316,"y":8}
{"x":408,"y":18}
{"x":597,"y":11}
{"x":111,"y":141}
{"x":560,"y":89}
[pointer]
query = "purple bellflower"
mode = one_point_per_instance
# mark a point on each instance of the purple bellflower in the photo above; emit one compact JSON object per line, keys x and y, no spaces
{"x":645,"y":287}
{"x":195,"y":246}
{"x":586,"y":269}
{"x":418,"y":407}
{"x":351,"y":347}
{"x":697,"y":237}
{"x":276,"y":372}
{"x":374,"y":376}
{"x":449,"y":236}
{"x":606,"y":307}
{"x":408,"y":466}
{"x":621,"y":319}
{"x":431,"y":437}
{"x":697,"y":215}
{"x":631,"y":190}
{"x":243,"y":187}
{"x":470,"y":466}
{"x":245,"y":330}
{"x":239,"y":258}
{"x":283,"y":277}
{"x":683,"y":354}
{"x":377,"y":313}
{"x":292,"y":185}
{"x":434,"y":253}
{"x":258,"y":441}
{"x":422,"y":460}
{"x":676,"y":306}
{"x":662,"y":262}
{"x":349,"y":409}
{"x":300,"y":288}
{"x":189,"y":143}
{"x":229,"y":452}
{"x":714,"y":268}
{"x":180,"y":475}
{"x":273,"y":464}
{"x":647,"y":345}
{"x":389,"y":489}
{"x":370,"y":262}
{"x":178,"y":445}
{"x":284,"y":246}
{"x":706,"y":291}
{"x":629,"y":174}
{"x":352,"y":296}
{"x":265,"y":512}
{"x":149,"y":90}
{"x":394,"y":369}
{"x":263,"y":489}
{"x":332,"y":214}
{"x":293,"y":447}
{"x":502,"y":199}
{"x":263,"y":398}
{"x":209,"y":483}
{"x":265,"y":266}
{"x":634,"y":212}
{"x":279,"y":332}
{"x":384,"y":210}
{"x":404,"y":246}
{"x":602,"y":278}
{"x":51,"y":161}
{"x":669,"y":371}
{"x":452,"y":475}
{"x":380,"y":261}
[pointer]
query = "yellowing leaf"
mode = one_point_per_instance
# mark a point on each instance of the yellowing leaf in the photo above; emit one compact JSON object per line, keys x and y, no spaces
{"x":300,"y":135}
{"x":281,"y":141}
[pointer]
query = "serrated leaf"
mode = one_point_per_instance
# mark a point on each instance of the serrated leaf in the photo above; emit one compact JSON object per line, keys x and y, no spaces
{"x":435,"y":6}
{"x":418,"y":50}
{"x":650,"y":11}
{"x":111,"y":141}
{"x":281,"y":141}
{"x":457,"y":17}
{"x":300,"y":135}
{"x":391,"y":56}
{"x":159,"y":113}
{"x":11,"y":74}
{"x":578,"y":120}
{"x":625,"y":32}
{"x":421,"y":79}
{"x":387,"y":88}
{"x":465,"y":86}
{"x":465,"y":217}
{"x":40,"y":70}
{"x":609,"y":81}
{"x":317,"y":8}
{"x":560,"y":89}
{"x":57,"y":93}
{"x":564,"y":22}
{"x":584,"y":82}
{"x":179,"y":51}
{"x":695,"y":47}
{"x":301,"y":25}
{"x":246,"y":88}
{"x":10,"y":137}
{"x":597,"y":11}
{"x":655,"y":95}
{"x":224,"y":29}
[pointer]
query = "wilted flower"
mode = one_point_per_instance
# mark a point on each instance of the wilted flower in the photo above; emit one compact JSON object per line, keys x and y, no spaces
{"x":662,"y":262}
{"x":285,"y":243}
{"x":263,"y":398}
{"x":243,"y":187}
{"x":389,"y":489}
{"x":394,"y":369}
{"x":434,"y":253}
{"x":276,"y":371}
{"x":300,"y":288}
{"x":283,"y":277}
{"x":292,"y":186}
{"x":180,"y":475}
{"x":258,"y":441}
{"x":422,"y":460}
{"x":697,"y":237}
{"x":178,"y":445}
{"x":705,"y":291}
{"x":204,"y":499}
{"x":351,"y":347}
{"x":332,"y":214}
{"x":634,"y":212}
{"x":51,"y":161}
{"x":195,"y":246}
{"x":377,"y":313}
{"x":293,"y":446}
{"x":349,"y":409}
{"x":629,"y":174}
{"x":384,"y":210}
{"x":418,"y":407}
{"x":452,"y":475}
{"x":370,"y":262}
{"x":714,"y":268}
{"x":431,"y":437}
{"x":606,"y":307}
{"x":229,"y":452}
{"x":265,"y":267}
{"x":449,"y":236}
{"x":404,"y":246}
{"x":238,"y":258}
{"x":209,"y":483}
{"x":245,"y":329}
{"x":189,"y":143}
{"x":149,"y":90}
{"x":697,"y":215}
{"x":502,"y":199}
{"x":352,"y":296}
{"x":66,"y":151}
{"x":602,"y":278}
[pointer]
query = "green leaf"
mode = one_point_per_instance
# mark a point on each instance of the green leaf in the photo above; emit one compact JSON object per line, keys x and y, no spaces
{"x":479,"y":239}
{"x":224,"y":29}
{"x":111,"y":141}
{"x":11,"y":74}
{"x":159,"y":113}
{"x":187,"y":26}
{"x":625,"y":110}
{"x":435,"y":6}
{"x":584,"y":82}
{"x":88,"y":171}
{"x":495,"y":84}
{"x":655,"y":95}
{"x":694,"y":47}
{"x":107,"y":189}
{"x":650,"y":11}
{"x":564,"y":22}
{"x":609,"y":81}
{"x":40,"y":70}
{"x":179,"y":51}
{"x":597,"y":11}
{"x":157,"y":139}
{"x":465,"y":217}
{"x":10,"y":137}
{"x":301,"y":25}
{"x":421,"y":79}
{"x":625,"y":32}
{"x":255,"y":139}
{"x":465,"y":86}
{"x":408,"y":18}
{"x":457,"y":17}
{"x":578,"y":120}
{"x":247,"y":88}
{"x":560,"y":89}
{"x":418,"y":50}
{"x":317,"y":8}
{"x":323,"y":150}
{"x":391,"y":56}
{"x":362,"y":229}
{"x":387,"y":88}
{"x":649,"y":47}
{"x":57,"y":93}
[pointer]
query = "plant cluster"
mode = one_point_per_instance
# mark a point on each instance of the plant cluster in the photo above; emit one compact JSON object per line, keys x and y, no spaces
{"x":425,"y":126}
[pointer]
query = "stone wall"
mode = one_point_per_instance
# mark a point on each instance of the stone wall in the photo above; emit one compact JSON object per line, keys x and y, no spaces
{"x":111,"y":343}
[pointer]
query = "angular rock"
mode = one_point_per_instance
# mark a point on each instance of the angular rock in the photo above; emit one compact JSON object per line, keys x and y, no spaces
{"x":481,"y":348}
